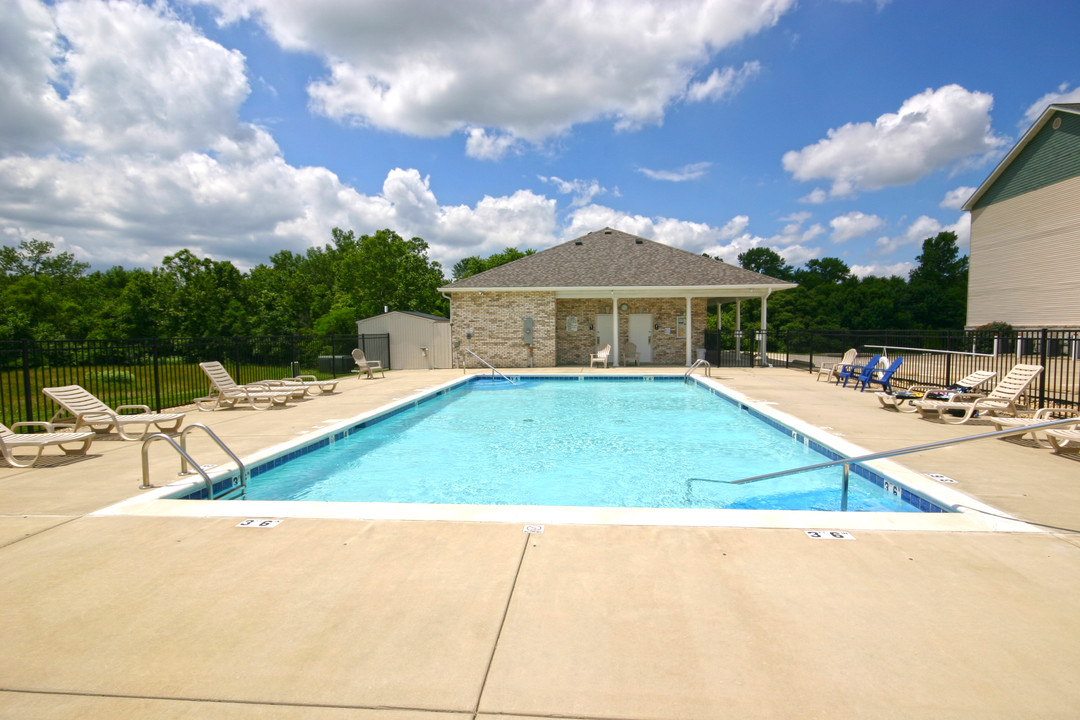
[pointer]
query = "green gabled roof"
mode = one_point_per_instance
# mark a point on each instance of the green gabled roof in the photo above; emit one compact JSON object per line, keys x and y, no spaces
{"x":1044,"y":155}
{"x":609,"y":259}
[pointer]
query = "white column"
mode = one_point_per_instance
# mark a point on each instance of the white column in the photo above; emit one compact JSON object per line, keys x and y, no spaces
{"x":615,"y":339}
{"x":738,"y":329}
{"x":764,"y":331}
{"x":689,"y":335}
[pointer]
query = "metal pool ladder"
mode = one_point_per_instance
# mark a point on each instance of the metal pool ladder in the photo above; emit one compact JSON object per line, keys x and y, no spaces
{"x":186,"y":461}
{"x":697,"y":364}
{"x":493,"y":370}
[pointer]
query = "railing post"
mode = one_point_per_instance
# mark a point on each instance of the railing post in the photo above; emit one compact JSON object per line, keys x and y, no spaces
{"x":844,"y":487}
{"x":28,"y":396}
{"x":157,"y":376}
{"x":1042,"y":361}
{"x":811,"y":368}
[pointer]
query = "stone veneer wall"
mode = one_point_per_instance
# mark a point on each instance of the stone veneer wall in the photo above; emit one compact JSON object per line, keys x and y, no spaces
{"x":496,"y":320}
{"x":574,"y":348}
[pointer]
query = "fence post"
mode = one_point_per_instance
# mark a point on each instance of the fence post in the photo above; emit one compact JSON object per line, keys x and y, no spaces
{"x":811,"y":368}
{"x":1042,"y":361}
{"x":28,"y":396}
{"x":157,"y":376}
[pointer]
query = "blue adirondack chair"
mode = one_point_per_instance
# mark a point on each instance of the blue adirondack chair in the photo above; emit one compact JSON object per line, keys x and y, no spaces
{"x":867,"y":377}
{"x":848,"y":372}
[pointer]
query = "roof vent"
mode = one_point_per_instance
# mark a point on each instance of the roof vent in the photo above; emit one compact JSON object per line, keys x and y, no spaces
{"x":577,"y":242}
{"x":639,"y":241}
{"x":607,"y":231}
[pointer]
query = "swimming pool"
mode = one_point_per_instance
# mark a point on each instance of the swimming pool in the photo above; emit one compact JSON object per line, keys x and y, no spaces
{"x":597,"y":442}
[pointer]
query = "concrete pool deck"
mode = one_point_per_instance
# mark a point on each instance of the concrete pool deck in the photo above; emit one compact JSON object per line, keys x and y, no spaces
{"x":182,"y":617}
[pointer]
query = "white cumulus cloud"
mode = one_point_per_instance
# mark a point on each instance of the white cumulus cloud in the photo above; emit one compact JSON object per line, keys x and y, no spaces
{"x":955,"y":198}
{"x":1062,"y":95}
{"x":693,"y":171}
{"x":924,"y":227}
{"x":583,"y":191}
{"x":721,"y":84}
{"x":852,"y":225}
{"x":931,"y":131}
{"x":528,"y":69}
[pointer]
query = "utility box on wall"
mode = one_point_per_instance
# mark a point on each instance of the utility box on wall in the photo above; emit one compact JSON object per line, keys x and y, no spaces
{"x":528,"y":331}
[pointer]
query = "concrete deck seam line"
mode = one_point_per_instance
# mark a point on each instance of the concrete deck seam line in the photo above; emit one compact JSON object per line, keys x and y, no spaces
{"x":1029,"y":522}
{"x":39,"y":532}
{"x":502,"y":624}
{"x":223,"y":701}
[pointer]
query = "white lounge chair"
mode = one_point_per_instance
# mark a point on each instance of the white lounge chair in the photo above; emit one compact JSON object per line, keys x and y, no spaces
{"x":630,"y":354}
{"x":828,"y":370}
{"x":79,"y":406}
{"x":1061,"y":439}
{"x":364,"y":365}
{"x":600,"y":357}
{"x":1002,"y":399}
{"x":301,"y":385}
{"x":226,"y":393}
{"x":902,"y":401}
{"x":10,"y":440}
{"x":1040,"y":416}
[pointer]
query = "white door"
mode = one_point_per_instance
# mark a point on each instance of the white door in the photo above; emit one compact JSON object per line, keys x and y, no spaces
{"x":641,"y":330}
{"x":605,"y":332}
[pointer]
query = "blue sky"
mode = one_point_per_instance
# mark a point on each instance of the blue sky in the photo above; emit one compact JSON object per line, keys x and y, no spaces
{"x":237,"y":128}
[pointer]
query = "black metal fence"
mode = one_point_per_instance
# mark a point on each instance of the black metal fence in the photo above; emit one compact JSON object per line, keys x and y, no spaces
{"x":930,"y":357}
{"x":164,"y":372}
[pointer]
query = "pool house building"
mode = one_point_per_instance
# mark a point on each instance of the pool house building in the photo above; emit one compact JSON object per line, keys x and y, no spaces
{"x":561,"y":305}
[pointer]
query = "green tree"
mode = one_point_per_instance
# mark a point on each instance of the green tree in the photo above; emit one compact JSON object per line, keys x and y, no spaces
{"x":373,"y":272}
{"x":473,"y":264}
{"x":201,"y":297}
{"x":937,"y":286}
{"x":767,"y":262}
{"x":39,"y":292}
{"x":826,"y":271}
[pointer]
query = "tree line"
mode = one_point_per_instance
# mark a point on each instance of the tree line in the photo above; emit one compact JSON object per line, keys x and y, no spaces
{"x":932,"y":297}
{"x":46,"y":295}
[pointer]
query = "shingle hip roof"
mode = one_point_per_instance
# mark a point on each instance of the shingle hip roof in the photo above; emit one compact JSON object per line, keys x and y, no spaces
{"x":610,"y":258}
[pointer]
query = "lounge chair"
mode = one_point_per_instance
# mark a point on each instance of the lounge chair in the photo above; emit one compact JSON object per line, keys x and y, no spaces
{"x":847,"y":372}
{"x":902,"y":400}
{"x":866,"y":377}
{"x":1042,"y":415}
{"x":1002,"y":399}
{"x":366,"y":366}
{"x":83,"y":409}
{"x":10,"y":440}
{"x":630,"y":354}
{"x":600,"y":357}
{"x":829,"y":369}
{"x":300,"y":386}
{"x":225,"y":393}
{"x":1060,"y":438}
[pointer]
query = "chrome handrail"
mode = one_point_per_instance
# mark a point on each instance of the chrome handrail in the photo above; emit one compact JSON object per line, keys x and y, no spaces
{"x":493,"y":370}
{"x":220,"y":444}
{"x":846,"y":462}
{"x":186,"y":459}
{"x":146,"y":484}
{"x":697,"y":364}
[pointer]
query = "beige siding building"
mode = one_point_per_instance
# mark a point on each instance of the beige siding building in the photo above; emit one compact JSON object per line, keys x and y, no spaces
{"x":418,"y":341}
{"x":561,"y":305}
{"x":1025,"y":230}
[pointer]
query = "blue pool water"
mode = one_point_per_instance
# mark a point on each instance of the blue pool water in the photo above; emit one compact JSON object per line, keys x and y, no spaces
{"x":656,"y":444}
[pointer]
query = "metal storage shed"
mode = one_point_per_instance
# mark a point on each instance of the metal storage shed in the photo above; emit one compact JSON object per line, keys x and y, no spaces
{"x":418,"y":341}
